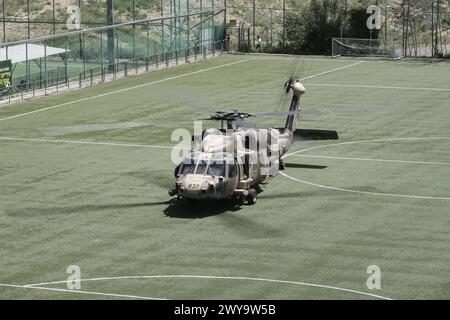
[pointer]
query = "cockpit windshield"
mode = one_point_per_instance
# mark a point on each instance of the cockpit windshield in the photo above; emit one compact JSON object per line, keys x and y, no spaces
{"x":214,"y":166}
{"x":201,"y":167}
{"x":216,"y":169}
{"x":187,"y":168}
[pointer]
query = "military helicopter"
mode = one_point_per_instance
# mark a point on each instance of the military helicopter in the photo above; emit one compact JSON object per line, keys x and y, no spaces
{"x":232,"y":161}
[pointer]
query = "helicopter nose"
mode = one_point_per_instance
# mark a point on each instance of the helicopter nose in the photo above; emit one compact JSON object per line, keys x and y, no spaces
{"x":196,"y":184}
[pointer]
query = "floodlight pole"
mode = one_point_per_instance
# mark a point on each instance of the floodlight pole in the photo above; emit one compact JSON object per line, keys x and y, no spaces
{"x":162,"y":31}
{"x":110,"y":34}
{"x":28,"y":18}
{"x":271,"y":27}
{"x":170,"y":25}
{"x":148,"y":41}
{"x":436,"y":37}
{"x":224,"y":18}
{"x":386,"y":7}
{"x":201,"y":24}
{"x":188,"y":36}
{"x":134,"y":31}
{"x":432,"y":28}
{"x":284,"y":23}
{"x":343,"y":19}
{"x":4,"y":21}
{"x":407,"y":27}
{"x":81,"y":46}
{"x":213,"y":27}
{"x":54,"y":17}
{"x":175,"y":38}
{"x":254,"y":23}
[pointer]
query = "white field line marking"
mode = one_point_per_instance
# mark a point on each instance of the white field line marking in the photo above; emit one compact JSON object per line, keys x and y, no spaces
{"x":300,"y":58}
{"x":363,"y":192}
{"x":358,"y":191}
{"x":376,"y":87}
{"x":81,"y":292}
{"x":160,"y":81}
{"x":116,"y":144}
{"x":219,"y":277}
{"x":375,"y":160}
{"x":332,"y":70}
{"x":125,"y":89}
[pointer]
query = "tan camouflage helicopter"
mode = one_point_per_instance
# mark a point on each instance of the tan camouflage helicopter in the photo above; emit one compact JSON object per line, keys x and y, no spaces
{"x":231,"y":162}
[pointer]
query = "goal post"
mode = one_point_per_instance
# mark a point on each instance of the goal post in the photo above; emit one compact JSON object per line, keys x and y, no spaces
{"x":352,"y":47}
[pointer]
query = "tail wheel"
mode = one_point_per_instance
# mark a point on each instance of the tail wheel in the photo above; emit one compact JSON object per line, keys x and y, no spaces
{"x":251,"y":197}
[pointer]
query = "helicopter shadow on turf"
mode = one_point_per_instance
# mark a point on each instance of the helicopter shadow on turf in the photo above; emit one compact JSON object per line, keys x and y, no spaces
{"x":195,"y":209}
{"x":200,"y":209}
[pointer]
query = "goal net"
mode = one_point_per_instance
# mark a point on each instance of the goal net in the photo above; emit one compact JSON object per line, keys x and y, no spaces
{"x":363,"y":48}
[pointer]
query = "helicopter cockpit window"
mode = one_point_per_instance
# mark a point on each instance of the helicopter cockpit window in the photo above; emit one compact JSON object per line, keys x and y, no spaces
{"x":201,"y":167}
{"x":187,"y":168}
{"x":216,"y":169}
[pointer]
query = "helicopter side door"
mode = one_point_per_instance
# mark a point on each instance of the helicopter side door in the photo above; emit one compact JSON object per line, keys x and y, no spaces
{"x":232,"y":176}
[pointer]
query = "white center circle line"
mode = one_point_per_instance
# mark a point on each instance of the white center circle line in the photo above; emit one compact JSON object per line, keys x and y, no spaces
{"x":359,"y":191}
{"x":39,"y":285}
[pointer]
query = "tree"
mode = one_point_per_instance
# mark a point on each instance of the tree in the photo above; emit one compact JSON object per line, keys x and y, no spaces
{"x":356,"y":24}
{"x":311,"y":31}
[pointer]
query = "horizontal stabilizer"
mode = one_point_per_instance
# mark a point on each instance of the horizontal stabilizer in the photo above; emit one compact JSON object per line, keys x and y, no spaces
{"x":315,"y":134}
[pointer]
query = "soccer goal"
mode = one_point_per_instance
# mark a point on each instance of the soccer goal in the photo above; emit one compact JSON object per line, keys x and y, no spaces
{"x":364,"y":48}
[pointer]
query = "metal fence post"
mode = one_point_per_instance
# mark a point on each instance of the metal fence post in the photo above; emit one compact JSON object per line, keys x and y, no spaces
{"x":45,"y":68}
{"x":66,"y":57}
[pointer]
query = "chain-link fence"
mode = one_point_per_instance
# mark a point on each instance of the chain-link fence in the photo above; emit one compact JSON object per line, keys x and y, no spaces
{"x":85,"y":57}
{"x":264,"y":22}
{"x":410,"y":28}
{"x":25,"y":19}
{"x":424,"y":27}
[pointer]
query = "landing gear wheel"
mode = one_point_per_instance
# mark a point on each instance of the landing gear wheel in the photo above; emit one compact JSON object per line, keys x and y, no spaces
{"x":251,"y":197}
{"x":240,"y":199}
{"x":180,"y":198}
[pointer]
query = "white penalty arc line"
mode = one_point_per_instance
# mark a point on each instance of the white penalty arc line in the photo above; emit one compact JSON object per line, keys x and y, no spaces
{"x":125,"y":89}
{"x":160,"y":81}
{"x":37,"y":285}
{"x":359,"y":191}
{"x":377,"y":87}
{"x":374,"y":160}
{"x":116,"y":295}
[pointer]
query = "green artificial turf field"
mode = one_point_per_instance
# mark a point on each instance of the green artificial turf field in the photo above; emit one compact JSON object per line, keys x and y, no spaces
{"x":84,"y":178}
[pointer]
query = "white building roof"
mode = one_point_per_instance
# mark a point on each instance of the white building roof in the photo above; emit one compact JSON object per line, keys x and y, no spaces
{"x":19,"y":53}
